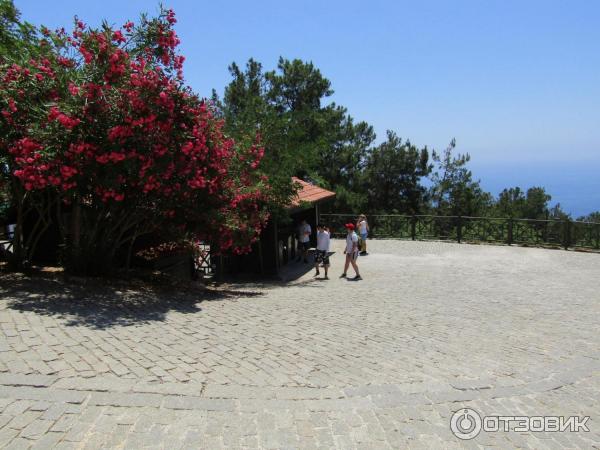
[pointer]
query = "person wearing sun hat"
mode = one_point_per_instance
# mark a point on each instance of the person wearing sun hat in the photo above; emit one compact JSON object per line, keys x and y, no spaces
{"x":362,"y":226}
{"x":351,"y":251}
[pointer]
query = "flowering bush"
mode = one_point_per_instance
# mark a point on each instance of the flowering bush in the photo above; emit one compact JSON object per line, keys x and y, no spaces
{"x":164,"y":250}
{"x":104,"y":126}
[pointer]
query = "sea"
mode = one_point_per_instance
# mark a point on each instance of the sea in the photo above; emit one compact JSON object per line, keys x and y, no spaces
{"x":575,"y":185}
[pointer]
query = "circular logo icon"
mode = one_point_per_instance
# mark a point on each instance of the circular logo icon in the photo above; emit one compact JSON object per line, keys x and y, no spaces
{"x":465,"y":423}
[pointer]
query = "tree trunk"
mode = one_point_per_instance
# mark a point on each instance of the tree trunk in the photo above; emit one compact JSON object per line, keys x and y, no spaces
{"x":75,"y":238}
{"x":16,"y":261}
{"x":130,"y":250}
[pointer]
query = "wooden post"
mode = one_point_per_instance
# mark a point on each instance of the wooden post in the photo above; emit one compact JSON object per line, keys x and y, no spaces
{"x":260,"y":257}
{"x":276,"y":246}
{"x":459,"y":229}
{"x":220,"y":268}
{"x":17,"y":239}
{"x":510,"y":231}
{"x":413,"y":227}
{"x":75,"y":236}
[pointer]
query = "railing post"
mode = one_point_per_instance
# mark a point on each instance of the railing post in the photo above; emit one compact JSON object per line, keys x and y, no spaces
{"x":510,"y":231}
{"x":566,"y":234}
{"x":459,"y":229}
{"x":597,"y":237}
{"x":413,"y":227}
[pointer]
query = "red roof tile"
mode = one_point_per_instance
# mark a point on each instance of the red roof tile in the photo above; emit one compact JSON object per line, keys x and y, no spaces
{"x":310,"y":193}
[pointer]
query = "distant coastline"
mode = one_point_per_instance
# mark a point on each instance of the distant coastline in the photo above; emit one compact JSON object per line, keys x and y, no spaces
{"x":575,"y":185}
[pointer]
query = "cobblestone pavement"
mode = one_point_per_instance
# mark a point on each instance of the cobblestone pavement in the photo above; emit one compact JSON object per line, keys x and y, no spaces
{"x":380,"y":363}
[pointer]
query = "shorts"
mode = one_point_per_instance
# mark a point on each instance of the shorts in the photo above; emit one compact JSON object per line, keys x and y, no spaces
{"x":363,"y":236}
{"x":321,"y":256}
{"x":353,"y":256}
{"x":304,"y":245}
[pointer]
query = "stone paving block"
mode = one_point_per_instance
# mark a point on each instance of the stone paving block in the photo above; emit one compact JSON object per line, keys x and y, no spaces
{"x":40,"y":406}
{"x":97,"y":383}
{"x":16,"y":407}
{"x":34,"y":380}
{"x":188,"y":389}
{"x":188,"y":403}
{"x":4,"y":419}
{"x":325,"y":438}
{"x":238,"y":392}
{"x":57,"y":410}
{"x":77,"y":432}
{"x":125,"y":400}
{"x":4,"y":402}
{"x":22,"y":420}
{"x":64,"y":424}
{"x":7,"y":435}
{"x":95,"y":440}
{"x":51,"y":395}
{"x":19,"y":444}
{"x":253,"y":405}
{"x":381,"y":363}
{"x":36,"y":429}
{"x":47,"y":441}
{"x":143,"y":424}
{"x":456,"y":396}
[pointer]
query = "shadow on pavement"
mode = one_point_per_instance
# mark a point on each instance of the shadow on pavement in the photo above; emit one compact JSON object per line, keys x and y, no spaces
{"x":297,"y":269}
{"x":106,"y":303}
{"x":287,"y":275}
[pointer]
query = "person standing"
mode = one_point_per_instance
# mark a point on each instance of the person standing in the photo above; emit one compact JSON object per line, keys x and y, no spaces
{"x":322,"y":254}
{"x":351,"y":252}
{"x":304,"y":231}
{"x":363,"y":231}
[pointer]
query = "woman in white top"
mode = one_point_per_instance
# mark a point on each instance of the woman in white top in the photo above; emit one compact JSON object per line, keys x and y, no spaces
{"x":351,"y":251}
{"x":363,"y":231}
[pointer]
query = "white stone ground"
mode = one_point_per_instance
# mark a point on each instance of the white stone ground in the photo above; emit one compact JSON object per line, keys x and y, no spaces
{"x":379,"y":363}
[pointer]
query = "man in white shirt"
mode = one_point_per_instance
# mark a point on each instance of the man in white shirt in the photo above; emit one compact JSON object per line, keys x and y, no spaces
{"x":322,"y":254}
{"x":304,"y":232}
{"x":351,"y":252}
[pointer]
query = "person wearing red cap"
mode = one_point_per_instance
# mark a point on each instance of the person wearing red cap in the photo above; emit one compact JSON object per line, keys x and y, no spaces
{"x":351,"y":251}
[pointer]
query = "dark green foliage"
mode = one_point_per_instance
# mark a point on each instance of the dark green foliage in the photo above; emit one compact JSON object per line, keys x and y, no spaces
{"x":533,"y":204}
{"x":510,"y":203}
{"x":453,"y":191}
{"x":302,"y":135}
{"x":536,"y":204}
{"x":18,"y":40}
{"x":342,"y":165}
{"x":592,"y":217}
{"x":249,"y":114}
{"x":393,"y":176}
{"x":305,"y":136}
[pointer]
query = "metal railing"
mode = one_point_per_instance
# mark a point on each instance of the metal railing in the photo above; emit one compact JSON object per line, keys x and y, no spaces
{"x":501,"y":230}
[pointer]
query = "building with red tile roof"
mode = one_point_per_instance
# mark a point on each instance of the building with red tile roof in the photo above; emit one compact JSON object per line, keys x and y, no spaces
{"x":279,"y":241}
{"x":309,"y":193}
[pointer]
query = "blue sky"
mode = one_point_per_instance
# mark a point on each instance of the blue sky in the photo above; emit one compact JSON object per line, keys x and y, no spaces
{"x":517,"y":83}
